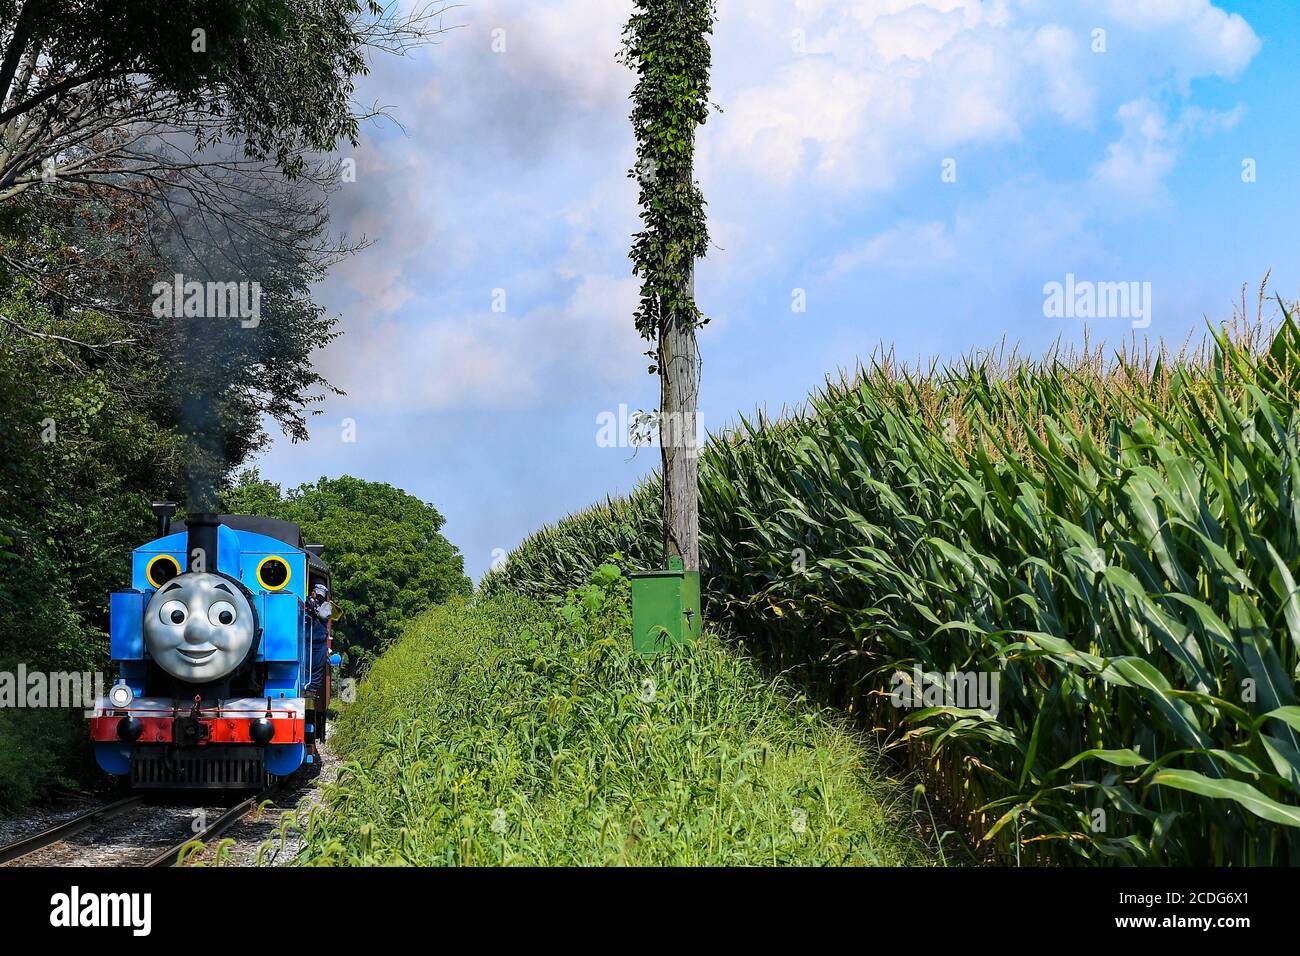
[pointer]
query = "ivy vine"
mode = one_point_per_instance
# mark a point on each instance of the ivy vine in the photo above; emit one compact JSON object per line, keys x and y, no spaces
{"x":667,"y":43}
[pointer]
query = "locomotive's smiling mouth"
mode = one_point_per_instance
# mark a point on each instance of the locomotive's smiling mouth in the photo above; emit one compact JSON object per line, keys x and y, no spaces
{"x":200,"y":656}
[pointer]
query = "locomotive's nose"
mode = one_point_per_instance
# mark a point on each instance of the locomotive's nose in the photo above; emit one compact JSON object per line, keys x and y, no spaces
{"x":198,"y":633}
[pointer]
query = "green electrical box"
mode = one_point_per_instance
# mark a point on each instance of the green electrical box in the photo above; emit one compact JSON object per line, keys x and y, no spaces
{"x":665,"y":608}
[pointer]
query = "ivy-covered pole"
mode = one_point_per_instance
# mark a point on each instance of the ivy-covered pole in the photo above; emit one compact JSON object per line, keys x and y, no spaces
{"x":667,"y":43}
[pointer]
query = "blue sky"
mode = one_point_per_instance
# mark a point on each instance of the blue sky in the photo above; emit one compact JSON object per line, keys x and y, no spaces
{"x":1114,"y":157}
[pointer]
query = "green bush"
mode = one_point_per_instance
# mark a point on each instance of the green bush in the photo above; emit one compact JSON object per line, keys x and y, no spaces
{"x":1116,"y":541}
{"x":39,"y":751}
{"x":507,"y":732}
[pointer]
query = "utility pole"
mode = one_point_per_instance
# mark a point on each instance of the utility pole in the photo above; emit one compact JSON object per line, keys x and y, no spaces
{"x":667,"y":43}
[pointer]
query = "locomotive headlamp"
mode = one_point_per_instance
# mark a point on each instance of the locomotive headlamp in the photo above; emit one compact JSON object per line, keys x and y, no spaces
{"x":161,"y":569}
{"x":121,"y":696}
{"x":273,"y":573}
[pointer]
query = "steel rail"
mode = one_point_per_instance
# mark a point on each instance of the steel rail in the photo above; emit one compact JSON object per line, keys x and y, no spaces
{"x":68,"y":828}
{"x":171,"y":857}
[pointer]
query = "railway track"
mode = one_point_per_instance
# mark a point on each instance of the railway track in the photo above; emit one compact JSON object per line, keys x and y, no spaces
{"x":172,"y":856}
{"x":26,"y":850}
{"x":66,"y":830}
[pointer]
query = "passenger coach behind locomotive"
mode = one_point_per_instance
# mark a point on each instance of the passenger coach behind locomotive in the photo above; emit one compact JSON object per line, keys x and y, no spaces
{"x":223,"y":674}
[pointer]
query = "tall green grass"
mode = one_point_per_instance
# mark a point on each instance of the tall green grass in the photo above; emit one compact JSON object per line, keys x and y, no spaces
{"x":507,"y":732}
{"x":1117,"y":539}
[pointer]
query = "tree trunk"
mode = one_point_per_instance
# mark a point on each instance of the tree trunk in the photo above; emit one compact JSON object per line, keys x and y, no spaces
{"x":678,"y":411}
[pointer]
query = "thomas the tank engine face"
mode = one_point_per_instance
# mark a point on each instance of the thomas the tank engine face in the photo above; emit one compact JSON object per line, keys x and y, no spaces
{"x":199,"y":627}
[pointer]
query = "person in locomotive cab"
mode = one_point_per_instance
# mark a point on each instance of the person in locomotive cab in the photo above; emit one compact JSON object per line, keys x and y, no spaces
{"x":320,"y":609}
{"x":318,"y":602}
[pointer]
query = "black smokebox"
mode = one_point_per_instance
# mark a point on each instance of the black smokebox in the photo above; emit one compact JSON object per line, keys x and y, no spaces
{"x":202,"y":541}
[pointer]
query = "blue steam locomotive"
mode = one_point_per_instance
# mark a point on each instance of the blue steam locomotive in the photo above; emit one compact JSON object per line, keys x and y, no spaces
{"x":222,"y":650}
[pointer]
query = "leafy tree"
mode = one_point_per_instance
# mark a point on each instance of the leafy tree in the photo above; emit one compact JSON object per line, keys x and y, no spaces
{"x":667,"y":43}
{"x":82,"y":451}
{"x":194,"y":108}
{"x":95,"y":252}
{"x":384,"y":547}
{"x":84,"y":83}
{"x":81,"y":454}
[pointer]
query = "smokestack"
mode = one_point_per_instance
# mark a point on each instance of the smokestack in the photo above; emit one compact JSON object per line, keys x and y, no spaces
{"x":164,"y":510}
{"x":202,"y":541}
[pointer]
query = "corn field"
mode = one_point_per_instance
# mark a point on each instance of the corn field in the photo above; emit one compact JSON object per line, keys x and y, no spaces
{"x":1116,"y":539}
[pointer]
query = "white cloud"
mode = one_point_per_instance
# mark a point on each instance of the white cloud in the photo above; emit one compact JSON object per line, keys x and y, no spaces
{"x":1024,"y":227}
{"x":1056,"y":51}
{"x":383,"y":207}
{"x":915,"y":34}
{"x":906,"y":246}
{"x":475,"y":192}
{"x":544,"y":358}
{"x":1136,"y":164}
{"x":813,"y":118}
{"x":885,"y":85}
{"x":881,"y":83}
{"x":1209,"y":39}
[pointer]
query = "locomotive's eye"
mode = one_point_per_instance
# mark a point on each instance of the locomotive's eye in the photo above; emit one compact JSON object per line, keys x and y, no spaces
{"x":273,"y":573}
{"x":173,"y":612}
{"x":223,"y":612}
{"x":162,"y":569}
